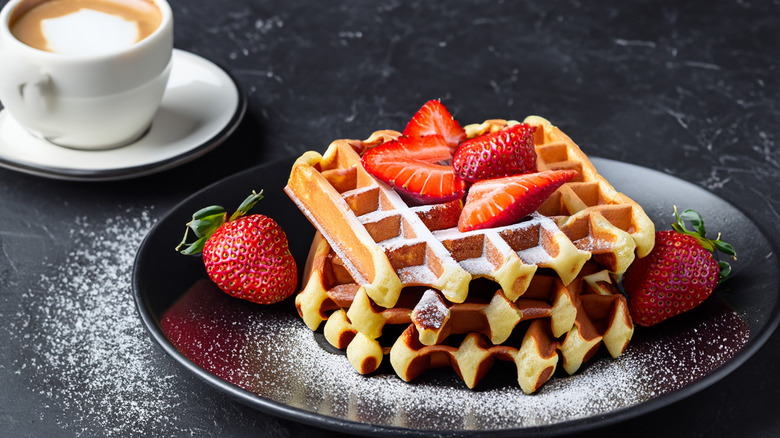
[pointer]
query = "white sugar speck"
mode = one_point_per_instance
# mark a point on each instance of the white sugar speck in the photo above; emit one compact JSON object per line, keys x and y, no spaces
{"x":88,"y":355}
{"x":88,"y":352}
{"x":327,"y":383}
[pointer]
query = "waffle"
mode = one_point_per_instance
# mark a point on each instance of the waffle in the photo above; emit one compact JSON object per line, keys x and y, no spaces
{"x":552,"y":324}
{"x":596,"y":217}
{"x":388,"y":245}
{"x":600,"y":318}
{"x":371,"y":246}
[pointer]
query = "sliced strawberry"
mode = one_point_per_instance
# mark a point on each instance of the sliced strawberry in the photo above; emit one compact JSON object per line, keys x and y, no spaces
{"x":433,"y":118}
{"x":412,"y":166}
{"x":509,"y":151}
{"x":503,"y":201}
{"x":440,"y":216}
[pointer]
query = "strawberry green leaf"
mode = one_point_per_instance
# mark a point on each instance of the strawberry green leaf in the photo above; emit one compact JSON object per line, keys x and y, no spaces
{"x":695,"y":219}
{"x":208,"y":211}
{"x":725,"y":248}
{"x":203,"y":224}
{"x":247,"y":205}
{"x":207,"y":220}
{"x":711,"y":245}
{"x":725,"y":270}
{"x":678,"y":224}
{"x":193,"y":248}
{"x":207,"y":225}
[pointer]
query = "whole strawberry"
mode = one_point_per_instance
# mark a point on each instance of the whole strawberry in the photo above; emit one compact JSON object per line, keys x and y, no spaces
{"x":246,"y":256}
{"x":678,"y":274}
{"x":507,"y":152}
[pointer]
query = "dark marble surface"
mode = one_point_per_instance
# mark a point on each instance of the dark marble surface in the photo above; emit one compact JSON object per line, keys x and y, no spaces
{"x":687,"y":88}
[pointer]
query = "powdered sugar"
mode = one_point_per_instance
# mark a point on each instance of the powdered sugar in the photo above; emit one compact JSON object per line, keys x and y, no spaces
{"x":282,"y":360}
{"x":478,"y":266}
{"x":89,"y":355}
{"x":534,"y":256}
{"x":86,"y":351}
{"x":430,"y":311}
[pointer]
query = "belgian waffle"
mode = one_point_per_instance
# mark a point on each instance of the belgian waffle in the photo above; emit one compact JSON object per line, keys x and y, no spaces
{"x":600,"y":317}
{"x":595,"y":216}
{"x":550,"y":323}
{"x":371,"y":246}
{"x":388,"y":245}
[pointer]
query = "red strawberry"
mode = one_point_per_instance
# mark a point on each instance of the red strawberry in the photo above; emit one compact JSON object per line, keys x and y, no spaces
{"x":246,"y":256}
{"x":509,"y":151}
{"x":434,"y":119}
{"x":440,"y":216}
{"x":412,"y":166}
{"x":678,"y":274}
{"x":503,"y":201}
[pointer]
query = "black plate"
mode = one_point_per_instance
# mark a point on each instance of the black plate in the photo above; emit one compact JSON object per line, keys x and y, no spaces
{"x":265,"y":356}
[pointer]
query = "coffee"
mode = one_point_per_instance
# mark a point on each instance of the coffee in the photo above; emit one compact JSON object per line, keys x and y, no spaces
{"x":84,"y":27}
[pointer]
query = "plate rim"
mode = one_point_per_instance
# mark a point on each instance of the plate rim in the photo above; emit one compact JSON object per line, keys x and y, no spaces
{"x":344,"y":425}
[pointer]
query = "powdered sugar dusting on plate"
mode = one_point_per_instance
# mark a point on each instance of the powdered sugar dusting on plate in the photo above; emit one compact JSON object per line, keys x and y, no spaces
{"x":440,"y":401}
{"x":281,"y":359}
{"x":89,"y":354}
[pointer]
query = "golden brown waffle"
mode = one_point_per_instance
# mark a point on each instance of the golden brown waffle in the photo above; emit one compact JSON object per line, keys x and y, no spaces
{"x":372,"y":246}
{"x":551,"y":322}
{"x":387,"y":245}
{"x":595,"y":216}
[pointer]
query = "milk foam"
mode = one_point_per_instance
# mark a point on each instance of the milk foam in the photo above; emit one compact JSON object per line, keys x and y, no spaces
{"x":89,"y":32}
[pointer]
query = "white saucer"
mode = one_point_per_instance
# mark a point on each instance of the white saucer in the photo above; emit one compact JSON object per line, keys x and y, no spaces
{"x":201,"y":107}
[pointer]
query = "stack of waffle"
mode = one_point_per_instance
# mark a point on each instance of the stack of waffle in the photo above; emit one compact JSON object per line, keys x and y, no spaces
{"x":392,"y":279}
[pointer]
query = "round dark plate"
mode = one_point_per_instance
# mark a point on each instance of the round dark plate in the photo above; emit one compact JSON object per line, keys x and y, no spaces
{"x":266,"y":357}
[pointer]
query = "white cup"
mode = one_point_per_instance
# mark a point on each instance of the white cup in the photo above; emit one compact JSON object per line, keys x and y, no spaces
{"x":85,"y":101}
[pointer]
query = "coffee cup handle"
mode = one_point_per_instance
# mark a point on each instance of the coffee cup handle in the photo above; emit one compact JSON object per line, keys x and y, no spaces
{"x":36,"y":95}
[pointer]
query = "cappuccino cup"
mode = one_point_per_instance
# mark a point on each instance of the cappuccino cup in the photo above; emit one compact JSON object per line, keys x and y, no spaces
{"x":85,"y":74}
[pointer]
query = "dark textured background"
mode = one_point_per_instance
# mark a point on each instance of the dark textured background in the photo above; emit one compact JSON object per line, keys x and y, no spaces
{"x":688,"y":88}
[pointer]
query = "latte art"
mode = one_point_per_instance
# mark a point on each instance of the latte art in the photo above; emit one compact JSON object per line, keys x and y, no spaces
{"x":84,"y":27}
{"x":101,"y":33}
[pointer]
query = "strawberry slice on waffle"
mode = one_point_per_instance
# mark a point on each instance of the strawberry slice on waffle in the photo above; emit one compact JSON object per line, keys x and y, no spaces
{"x":434,"y":119}
{"x":413,"y":167}
{"x":503,"y":201}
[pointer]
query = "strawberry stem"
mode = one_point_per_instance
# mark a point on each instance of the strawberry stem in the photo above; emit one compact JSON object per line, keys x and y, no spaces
{"x":700,"y":233}
{"x":208,"y":219}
